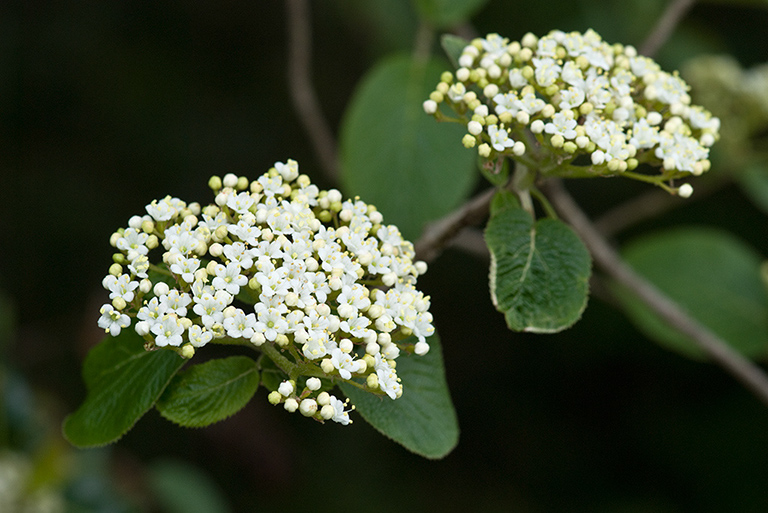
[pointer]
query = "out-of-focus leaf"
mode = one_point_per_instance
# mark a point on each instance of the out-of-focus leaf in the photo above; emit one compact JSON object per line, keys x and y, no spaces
{"x":447,"y":13}
{"x":398,"y":158}
{"x":453,"y":46}
{"x":123,"y":382}
{"x":209,"y":392}
{"x":423,"y":419}
{"x":713,"y":276}
{"x":182,"y":488}
{"x":539,"y":276}
{"x":754,"y":182}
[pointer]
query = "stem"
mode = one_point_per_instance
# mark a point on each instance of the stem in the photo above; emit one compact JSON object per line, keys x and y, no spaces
{"x":521,"y":184}
{"x":439,"y":233}
{"x":749,"y":374}
{"x":302,"y":91}
{"x":283,"y":363}
{"x":666,"y":24}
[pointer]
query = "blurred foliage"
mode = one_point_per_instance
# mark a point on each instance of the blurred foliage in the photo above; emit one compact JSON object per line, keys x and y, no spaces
{"x":104,"y":106}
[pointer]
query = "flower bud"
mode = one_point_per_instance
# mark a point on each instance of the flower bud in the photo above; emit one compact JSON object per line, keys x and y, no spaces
{"x":291,"y":405}
{"x":308,"y":407}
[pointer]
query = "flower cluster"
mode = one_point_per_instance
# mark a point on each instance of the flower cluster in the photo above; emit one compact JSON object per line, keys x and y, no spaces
{"x":546,"y":101}
{"x":333,"y":288}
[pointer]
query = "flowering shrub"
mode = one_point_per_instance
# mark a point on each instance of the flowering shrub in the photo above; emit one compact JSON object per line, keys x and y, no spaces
{"x":333,"y":291}
{"x":547,"y":101}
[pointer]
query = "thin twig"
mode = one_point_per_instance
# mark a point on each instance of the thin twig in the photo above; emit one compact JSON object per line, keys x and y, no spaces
{"x":439,"y":233}
{"x":664,"y":27}
{"x":303,"y":94}
{"x":749,"y":374}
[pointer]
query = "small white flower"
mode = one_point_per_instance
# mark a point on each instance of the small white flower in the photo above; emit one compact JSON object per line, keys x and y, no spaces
{"x":500,"y":139}
{"x":168,"y":331}
{"x":113,"y":321}
{"x":339,"y":415}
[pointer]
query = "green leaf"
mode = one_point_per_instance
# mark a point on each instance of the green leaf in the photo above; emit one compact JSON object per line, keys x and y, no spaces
{"x":180,"y":487}
{"x":754,"y":183}
{"x":398,"y":158}
{"x":453,"y":46}
{"x":540,"y":271}
{"x":447,"y":13}
{"x":209,"y":392}
{"x":423,"y":419}
{"x":123,"y":381}
{"x":713,"y":276}
{"x":503,"y":199}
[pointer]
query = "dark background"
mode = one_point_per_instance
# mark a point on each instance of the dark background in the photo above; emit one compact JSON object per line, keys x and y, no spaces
{"x":105,"y":106}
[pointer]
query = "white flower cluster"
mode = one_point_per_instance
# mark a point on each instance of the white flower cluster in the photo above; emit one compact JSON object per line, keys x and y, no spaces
{"x":574,"y":94}
{"x":333,"y":287}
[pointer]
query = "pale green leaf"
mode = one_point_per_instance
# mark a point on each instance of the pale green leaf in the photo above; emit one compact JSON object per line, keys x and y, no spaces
{"x":713,"y":276}
{"x":123,"y":381}
{"x":423,"y":419}
{"x":398,"y":158}
{"x":209,"y":392}
{"x":539,"y":276}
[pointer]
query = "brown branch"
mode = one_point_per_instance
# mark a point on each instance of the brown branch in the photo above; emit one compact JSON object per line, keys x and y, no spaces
{"x":440,"y":233}
{"x":749,"y":374}
{"x":300,"y":84}
{"x":666,"y":24}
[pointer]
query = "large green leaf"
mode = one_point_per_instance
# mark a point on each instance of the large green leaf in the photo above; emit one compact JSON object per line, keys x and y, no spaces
{"x":539,"y":276}
{"x":447,"y":13}
{"x":712,"y":275}
{"x":423,"y":419}
{"x":754,"y":182}
{"x":209,"y":392}
{"x":398,"y":158}
{"x":123,"y":382}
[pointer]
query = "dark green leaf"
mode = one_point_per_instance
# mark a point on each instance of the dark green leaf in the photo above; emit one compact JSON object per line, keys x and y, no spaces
{"x":398,"y":158}
{"x":423,"y":419}
{"x":123,"y":382}
{"x":754,"y":183}
{"x":712,"y":275}
{"x":447,"y":13}
{"x":504,"y":199}
{"x":209,"y":392}
{"x":539,"y":273}
{"x":453,"y":46}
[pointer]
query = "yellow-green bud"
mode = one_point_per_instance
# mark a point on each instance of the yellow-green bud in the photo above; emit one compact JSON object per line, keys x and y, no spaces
{"x":446,"y":77}
{"x":585,"y":108}
{"x":152,"y":242}
{"x":215,"y":183}
{"x":118,"y":258}
{"x":632,"y":164}
{"x":484,"y":150}
{"x":242,"y":183}
{"x":274,"y":397}
{"x":187,"y":351}
{"x":570,"y":147}
{"x":468,"y":141}
{"x":118,"y":303}
{"x":372,"y":381}
{"x":116,"y":269}
{"x":557,"y":141}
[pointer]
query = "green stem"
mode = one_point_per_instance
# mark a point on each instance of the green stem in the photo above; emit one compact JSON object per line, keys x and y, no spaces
{"x":521,"y":184}
{"x":548,"y":208}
